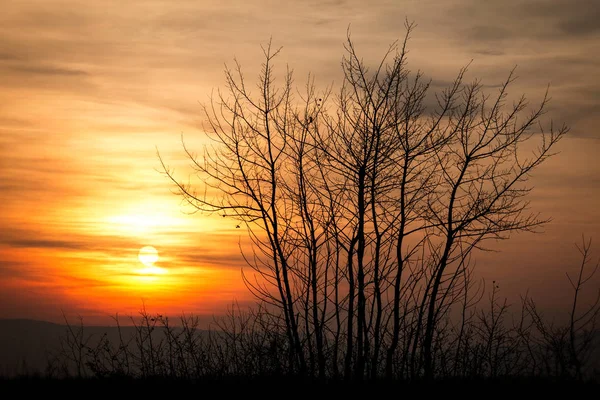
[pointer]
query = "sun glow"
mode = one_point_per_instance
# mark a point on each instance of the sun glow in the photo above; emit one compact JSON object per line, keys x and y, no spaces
{"x":153,"y":270}
{"x":139,"y":223}
{"x":148,"y":256}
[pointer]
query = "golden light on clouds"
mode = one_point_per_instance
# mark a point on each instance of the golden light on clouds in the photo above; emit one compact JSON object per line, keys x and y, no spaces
{"x":89,"y":95}
{"x":137,"y":220}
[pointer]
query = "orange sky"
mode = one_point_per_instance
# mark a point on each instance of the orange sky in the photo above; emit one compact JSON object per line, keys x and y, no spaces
{"x":89,"y":91}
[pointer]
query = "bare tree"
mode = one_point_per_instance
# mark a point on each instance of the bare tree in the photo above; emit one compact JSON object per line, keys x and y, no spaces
{"x":252,"y":136}
{"x":479,"y":192}
{"x":364,"y":207}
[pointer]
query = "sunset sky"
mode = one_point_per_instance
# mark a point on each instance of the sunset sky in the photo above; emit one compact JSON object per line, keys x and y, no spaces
{"x":90,"y":89}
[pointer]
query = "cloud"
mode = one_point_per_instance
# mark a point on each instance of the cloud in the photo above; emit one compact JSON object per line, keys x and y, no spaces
{"x":490,"y":52}
{"x":26,"y":237}
{"x":46,"y":244}
{"x":20,"y":269}
{"x":545,"y":20}
{"x":488,"y":33}
{"x":87,"y":92}
{"x":575,"y":18}
{"x":8,"y":57}
{"x":208,"y":257}
{"x":46,"y":70}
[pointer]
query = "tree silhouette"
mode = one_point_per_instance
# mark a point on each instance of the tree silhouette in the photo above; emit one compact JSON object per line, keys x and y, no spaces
{"x":364,"y":206}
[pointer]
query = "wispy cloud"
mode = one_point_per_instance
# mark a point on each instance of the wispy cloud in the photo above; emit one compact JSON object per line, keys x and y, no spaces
{"x":88,"y":93}
{"x":45,"y":70}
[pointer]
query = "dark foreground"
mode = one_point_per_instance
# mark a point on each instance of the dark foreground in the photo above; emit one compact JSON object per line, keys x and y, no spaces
{"x":293,"y":386}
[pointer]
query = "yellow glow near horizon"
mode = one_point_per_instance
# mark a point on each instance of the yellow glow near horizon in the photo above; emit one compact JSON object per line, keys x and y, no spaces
{"x":152,"y":271}
{"x":140,"y":222}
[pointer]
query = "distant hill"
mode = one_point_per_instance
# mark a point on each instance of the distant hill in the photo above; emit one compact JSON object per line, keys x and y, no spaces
{"x":25,"y":345}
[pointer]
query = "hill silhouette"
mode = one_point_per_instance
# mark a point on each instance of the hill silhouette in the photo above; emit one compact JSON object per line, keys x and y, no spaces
{"x":27,"y":345}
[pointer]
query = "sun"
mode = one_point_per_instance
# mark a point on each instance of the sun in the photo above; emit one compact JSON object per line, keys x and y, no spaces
{"x":148,"y":256}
